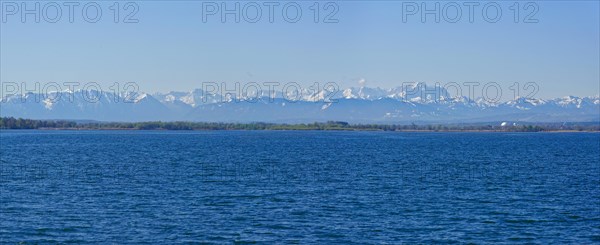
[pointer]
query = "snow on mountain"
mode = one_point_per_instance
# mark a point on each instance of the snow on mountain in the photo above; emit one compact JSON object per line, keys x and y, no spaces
{"x":84,"y":105}
{"x":193,"y":98}
{"x":414,"y":102}
{"x":416,"y":92}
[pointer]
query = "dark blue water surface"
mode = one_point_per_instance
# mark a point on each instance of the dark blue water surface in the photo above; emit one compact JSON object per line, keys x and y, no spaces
{"x":307,"y":187}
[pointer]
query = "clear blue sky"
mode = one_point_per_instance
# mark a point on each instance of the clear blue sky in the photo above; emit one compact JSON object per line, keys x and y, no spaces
{"x":171,"y":48}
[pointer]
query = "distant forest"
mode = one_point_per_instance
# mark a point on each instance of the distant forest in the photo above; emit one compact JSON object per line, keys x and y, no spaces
{"x":19,"y":123}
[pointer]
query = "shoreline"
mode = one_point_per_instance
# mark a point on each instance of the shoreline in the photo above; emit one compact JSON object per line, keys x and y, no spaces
{"x":19,"y":123}
{"x":330,"y":130}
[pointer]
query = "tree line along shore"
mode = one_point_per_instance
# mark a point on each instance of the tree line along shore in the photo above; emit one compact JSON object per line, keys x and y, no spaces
{"x":20,"y":123}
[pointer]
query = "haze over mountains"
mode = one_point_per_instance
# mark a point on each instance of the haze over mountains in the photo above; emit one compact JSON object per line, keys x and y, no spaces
{"x":355,"y":105}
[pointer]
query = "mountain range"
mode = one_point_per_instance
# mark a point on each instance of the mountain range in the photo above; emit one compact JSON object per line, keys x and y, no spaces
{"x":355,"y":105}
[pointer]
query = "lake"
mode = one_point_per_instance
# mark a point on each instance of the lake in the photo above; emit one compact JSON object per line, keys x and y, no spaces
{"x":292,"y":186}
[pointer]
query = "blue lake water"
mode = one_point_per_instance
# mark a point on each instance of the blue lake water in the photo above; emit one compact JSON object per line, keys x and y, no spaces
{"x":307,"y":187}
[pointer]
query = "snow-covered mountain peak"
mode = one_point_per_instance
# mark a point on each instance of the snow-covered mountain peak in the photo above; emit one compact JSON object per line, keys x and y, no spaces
{"x":359,"y":104}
